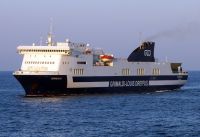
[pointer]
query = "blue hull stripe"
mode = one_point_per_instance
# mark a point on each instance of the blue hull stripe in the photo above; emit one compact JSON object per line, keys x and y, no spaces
{"x":126,"y":78}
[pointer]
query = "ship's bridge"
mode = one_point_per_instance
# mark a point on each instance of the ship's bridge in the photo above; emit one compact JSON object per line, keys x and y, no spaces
{"x":65,"y":50}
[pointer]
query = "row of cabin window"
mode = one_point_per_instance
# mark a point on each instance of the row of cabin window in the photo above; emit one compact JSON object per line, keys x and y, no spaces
{"x":34,"y":50}
{"x":39,"y":62}
{"x":140,"y":71}
{"x":79,"y":62}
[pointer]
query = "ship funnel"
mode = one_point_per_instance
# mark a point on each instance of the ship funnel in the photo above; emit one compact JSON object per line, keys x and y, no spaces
{"x":144,"y":53}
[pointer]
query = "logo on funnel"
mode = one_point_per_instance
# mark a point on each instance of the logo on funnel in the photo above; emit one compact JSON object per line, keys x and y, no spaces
{"x":147,"y":53}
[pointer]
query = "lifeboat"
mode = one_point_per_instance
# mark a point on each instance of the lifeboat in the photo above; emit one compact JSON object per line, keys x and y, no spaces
{"x":106,"y":58}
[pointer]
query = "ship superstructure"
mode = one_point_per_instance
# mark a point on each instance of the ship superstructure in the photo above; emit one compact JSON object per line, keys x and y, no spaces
{"x":72,"y":68}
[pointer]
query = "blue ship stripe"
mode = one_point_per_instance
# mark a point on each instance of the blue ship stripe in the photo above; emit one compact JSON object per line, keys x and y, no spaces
{"x":126,"y":78}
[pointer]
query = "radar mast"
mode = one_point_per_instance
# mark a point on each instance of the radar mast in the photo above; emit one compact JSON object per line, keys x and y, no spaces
{"x":49,"y":38}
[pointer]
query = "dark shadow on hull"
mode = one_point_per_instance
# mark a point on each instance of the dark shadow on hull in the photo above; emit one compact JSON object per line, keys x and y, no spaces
{"x":101,"y":91}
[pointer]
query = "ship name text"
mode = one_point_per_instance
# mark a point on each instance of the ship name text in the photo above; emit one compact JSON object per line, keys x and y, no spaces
{"x":128,"y":83}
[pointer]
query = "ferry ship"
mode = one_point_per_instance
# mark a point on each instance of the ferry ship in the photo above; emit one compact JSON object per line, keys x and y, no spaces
{"x":65,"y":68}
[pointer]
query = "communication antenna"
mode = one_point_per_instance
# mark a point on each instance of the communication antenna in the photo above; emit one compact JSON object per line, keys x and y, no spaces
{"x":166,"y":59}
{"x":51,"y":26}
{"x":140,"y":37}
{"x":41,"y":40}
{"x":49,"y":39}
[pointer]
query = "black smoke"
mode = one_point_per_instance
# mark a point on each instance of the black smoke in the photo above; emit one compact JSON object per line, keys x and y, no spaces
{"x":181,"y":32}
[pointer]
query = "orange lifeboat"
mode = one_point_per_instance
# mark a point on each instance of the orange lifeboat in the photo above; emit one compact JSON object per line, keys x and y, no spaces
{"x":106,"y":58}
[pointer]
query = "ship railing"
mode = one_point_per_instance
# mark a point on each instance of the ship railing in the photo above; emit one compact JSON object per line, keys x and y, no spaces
{"x":20,"y":72}
{"x":184,"y":72}
{"x":180,"y":73}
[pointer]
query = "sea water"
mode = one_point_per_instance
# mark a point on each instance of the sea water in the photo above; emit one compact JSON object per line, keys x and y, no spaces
{"x":158,"y":114}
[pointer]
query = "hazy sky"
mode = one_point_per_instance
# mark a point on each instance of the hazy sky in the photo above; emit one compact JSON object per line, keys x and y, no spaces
{"x":117,"y":26}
